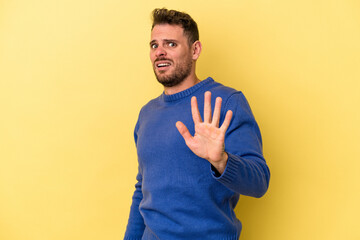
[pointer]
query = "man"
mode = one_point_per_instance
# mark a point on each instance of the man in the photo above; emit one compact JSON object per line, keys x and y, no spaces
{"x":193,"y":162}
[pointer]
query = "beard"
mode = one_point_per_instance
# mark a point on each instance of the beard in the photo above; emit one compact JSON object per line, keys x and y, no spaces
{"x":179,"y":74}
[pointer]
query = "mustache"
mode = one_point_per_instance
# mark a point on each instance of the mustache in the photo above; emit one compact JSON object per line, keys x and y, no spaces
{"x":162,"y":59}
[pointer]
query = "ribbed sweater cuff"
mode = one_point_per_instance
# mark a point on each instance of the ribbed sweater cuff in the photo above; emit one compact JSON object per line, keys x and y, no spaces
{"x":230,"y":172}
{"x":130,"y":238}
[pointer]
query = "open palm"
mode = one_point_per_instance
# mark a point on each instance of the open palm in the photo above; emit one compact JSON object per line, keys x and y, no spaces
{"x":208,"y":141}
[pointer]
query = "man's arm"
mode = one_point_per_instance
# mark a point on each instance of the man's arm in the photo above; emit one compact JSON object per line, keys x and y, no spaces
{"x":239,"y":164}
{"x":136,"y":226}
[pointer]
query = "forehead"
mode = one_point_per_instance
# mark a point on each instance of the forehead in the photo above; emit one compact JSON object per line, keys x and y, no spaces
{"x":167,"y":31}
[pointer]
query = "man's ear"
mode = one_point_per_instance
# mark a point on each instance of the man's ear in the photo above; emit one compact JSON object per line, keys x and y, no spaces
{"x":196,"y":50}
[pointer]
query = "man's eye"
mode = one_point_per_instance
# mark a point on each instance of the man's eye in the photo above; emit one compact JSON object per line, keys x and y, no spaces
{"x":172,"y":44}
{"x":153,"y":46}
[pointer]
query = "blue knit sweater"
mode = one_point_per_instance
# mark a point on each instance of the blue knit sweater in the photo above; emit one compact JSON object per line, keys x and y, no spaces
{"x":181,"y":196}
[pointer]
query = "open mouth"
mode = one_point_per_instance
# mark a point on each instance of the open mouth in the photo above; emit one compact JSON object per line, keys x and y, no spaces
{"x":162,"y":64}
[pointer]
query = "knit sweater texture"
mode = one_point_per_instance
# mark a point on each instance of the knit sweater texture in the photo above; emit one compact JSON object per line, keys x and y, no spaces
{"x":180,"y":196}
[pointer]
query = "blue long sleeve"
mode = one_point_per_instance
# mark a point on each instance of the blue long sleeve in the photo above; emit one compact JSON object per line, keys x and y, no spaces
{"x":246,"y":172}
{"x":135,"y":227}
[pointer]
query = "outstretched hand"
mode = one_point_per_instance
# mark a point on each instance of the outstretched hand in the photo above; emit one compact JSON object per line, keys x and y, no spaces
{"x":208,"y":141}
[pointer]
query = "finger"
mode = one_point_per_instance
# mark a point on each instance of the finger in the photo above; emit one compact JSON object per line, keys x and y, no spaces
{"x":207,"y":107}
{"x":217,"y":110}
{"x":195,"y":111}
{"x":183,"y":131}
{"x":227,"y":121}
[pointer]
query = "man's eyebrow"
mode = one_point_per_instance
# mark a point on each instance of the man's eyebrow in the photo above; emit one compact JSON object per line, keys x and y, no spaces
{"x":165,"y":40}
{"x":170,"y":40}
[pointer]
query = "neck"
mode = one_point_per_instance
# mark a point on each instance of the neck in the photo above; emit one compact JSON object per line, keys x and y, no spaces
{"x":187,"y":83}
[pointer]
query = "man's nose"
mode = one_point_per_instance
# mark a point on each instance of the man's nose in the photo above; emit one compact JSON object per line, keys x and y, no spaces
{"x":160,"y":52}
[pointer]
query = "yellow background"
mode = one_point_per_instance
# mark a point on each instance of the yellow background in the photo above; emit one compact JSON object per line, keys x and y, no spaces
{"x":74,"y":75}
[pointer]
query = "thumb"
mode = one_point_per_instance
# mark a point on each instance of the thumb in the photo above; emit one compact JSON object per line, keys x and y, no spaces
{"x":183,"y":131}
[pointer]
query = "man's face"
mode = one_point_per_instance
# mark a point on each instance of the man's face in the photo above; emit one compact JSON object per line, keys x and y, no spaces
{"x":170,"y":54}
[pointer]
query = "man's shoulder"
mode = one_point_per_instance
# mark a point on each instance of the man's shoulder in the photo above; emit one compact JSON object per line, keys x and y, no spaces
{"x":150,"y":105}
{"x":220,"y":90}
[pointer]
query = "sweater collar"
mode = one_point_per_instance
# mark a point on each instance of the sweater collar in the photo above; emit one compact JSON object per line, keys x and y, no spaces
{"x":187,"y":92}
